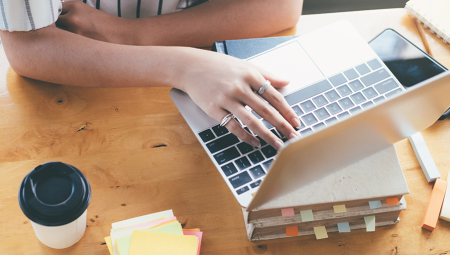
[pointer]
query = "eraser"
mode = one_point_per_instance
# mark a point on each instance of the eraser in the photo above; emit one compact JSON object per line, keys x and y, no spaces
{"x":286,"y":212}
{"x":292,"y":231}
{"x":339,"y":208}
{"x":435,"y":204}
{"x":392,"y":201}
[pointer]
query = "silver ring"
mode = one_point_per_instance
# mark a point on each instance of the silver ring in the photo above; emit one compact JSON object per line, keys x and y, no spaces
{"x":226,"y":119}
{"x":263,"y":87}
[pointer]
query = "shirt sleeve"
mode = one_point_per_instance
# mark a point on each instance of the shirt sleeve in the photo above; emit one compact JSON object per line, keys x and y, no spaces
{"x":27,"y":15}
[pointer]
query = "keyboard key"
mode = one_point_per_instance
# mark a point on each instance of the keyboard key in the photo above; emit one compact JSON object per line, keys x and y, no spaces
{"x":256,"y":115}
{"x":307,"y":106}
{"x":267,"y":124}
{"x":374,"y":64}
{"x":344,"y":90}
{"x":245,"y":148}
{"x":393,"y":92}
{"x":355,"y":110}
{"x":356,"y":85}
{"x":367,"y":104}
{"x":229,"y":169}
{"x":256,"y":157}
{"x":319,"y":126}
{"x":240,"y":179}
{"x":309,"y":119}
{"x":297,"y":110}
{"x":306,"y":131}
{"x":261,"y":141}
{"x":320,"y":101}
{"x":222,"y":143}
{"x":375,"y":77}
{"x":362,"y":69}
{"x":331,"y":120}
{"x":334,"y":108}
{"x":337,"y":80}
{"x":218,"y":130}
{"x":257,"y":172}
{"x":386,"y":85}
{"x":351,"y":74}
{"x":206,"y":135}
{"x":343,"y":115}
{"x":275,"y":133}
{"x":358,"y":98}
{"x":378,"y":99}
{"x":308,"y":92}
{"x":346,"y":103}
{"x":269,"y":151}
{"x":332,"y":95}
{"x":322,"y":113}
{"x":242,"y":190}
{"x":243,"y":163}
{"x":255,"y":184}
{"x":370,"y":93}
{"x":267,"y":164}
{"x":226,"y":155}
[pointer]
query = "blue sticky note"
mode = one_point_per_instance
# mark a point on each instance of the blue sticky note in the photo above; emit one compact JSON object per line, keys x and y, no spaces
{"x":343,"y":227}
{"x":375,"y":204}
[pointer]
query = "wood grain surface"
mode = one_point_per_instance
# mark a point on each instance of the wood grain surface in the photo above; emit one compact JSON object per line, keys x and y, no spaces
{"x":141,"y":157}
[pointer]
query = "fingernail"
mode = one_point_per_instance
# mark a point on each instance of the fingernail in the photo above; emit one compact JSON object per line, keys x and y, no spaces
{"x":292,"y":135}
{"x":278,"y":144}
{"x":255,"y":143}
{"x":296,"y":122}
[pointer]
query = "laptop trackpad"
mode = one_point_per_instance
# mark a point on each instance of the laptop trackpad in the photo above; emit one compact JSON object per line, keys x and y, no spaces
{"x":290,"y":62}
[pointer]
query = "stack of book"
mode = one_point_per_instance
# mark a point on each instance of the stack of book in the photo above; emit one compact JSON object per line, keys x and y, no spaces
{"x":366,"y":194}
{"x":157,"y":233}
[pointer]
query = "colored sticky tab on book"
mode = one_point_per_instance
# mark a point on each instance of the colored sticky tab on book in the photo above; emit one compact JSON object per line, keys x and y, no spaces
{"x":435,"y":204}
{"x":320,"y":232}
{"x":375,"y":204}
{"x":445,"y":212}
{"x":339,"y":208}
{"x":292,"y":231}
{"x":307,"y":215}
{"x":286,"y":212}
{"x":370,"y":223}
{"x":343,"y":227}
{"x":392,"y":201}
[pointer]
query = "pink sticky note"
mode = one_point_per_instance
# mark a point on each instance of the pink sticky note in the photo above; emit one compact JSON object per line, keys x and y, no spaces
{"x":149,"y":224}
{"x":197,"y":234}
{"x":286,"y":212}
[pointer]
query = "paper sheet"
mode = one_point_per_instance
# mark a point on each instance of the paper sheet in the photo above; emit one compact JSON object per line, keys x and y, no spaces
{"x":343,"y":227}
{"x":392,"y":201}
{"x":109,"y":244}
{"x":142,"y":219}
{"x":307,"y":215}
{"x":292,"y":231}
{"x":119,"y":229}
{"x":145,"y":242}
{"x":370,"y":223}
{"x":320,"y":232}
{"x":286,"y":212}
{"x":198,"y":234}
{"x":375,"y":204}
{"x":339,"y":208}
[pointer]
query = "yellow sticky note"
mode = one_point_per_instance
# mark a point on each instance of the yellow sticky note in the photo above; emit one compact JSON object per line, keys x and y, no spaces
{"x":192,"y":229}
{"x":145,"y":242}
{"x":109,"y":244}
{"x":339,"y":208}
{"x":320,"y":232}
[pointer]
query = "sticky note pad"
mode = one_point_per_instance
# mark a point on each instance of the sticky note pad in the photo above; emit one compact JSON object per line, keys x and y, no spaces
{"x":286,"y":212}
{"x":375,"y":204}
{"x":339,"y":208}
{"x":144,"y":243}
{"x":392,"y":201}
{"x":292,"y":231}
{"x":109,"y":244}
{"x":343,"y":227}
{"x":307,"y":215}
{"x":435,"y":204}
{"x":143,"y":219}
{"x":198,"y":234}
{"x":370,"y":223}
{"x":445,"y":212}
{"x":320,"y":232}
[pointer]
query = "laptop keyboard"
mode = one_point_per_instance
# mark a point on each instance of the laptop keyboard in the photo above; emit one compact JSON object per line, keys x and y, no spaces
{"x":317,"y":106}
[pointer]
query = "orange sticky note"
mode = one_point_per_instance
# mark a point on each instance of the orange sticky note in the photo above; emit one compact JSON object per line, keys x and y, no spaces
{"x":435,"y":204}
{"x":292,"y":231}
{"x":286,"y":212}
{"x":392,"y":201}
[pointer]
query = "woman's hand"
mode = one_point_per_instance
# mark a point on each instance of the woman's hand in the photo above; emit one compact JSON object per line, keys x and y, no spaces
{"x":220,"y":84}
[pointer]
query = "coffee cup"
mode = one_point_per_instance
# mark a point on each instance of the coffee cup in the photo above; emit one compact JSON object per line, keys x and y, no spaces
{"x":55,"y":196}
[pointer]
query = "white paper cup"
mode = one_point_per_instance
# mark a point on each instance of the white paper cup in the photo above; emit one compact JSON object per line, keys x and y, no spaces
{"x":55,"y":197}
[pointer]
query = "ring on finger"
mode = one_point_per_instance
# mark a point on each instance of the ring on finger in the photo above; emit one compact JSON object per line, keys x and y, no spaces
{"x":263,"y":87}
{"x":226,"y":119}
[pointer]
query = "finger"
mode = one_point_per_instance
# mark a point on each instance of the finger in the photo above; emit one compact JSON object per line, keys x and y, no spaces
{"x":256,"y":125}
{"x":63,"y":21}
{"x":234,"y":127}
{"x":277,"y":82}
{"x":66,"y":6}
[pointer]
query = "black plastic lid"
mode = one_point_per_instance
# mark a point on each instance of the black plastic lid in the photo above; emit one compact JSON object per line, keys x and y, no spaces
{"x":54,"y":194}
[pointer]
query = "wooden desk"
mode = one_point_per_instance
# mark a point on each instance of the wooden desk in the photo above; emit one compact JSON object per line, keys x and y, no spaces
{"x":140,"y":157}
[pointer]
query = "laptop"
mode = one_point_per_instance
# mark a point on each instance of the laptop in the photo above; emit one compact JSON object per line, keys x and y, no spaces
{"x":349,"y":103}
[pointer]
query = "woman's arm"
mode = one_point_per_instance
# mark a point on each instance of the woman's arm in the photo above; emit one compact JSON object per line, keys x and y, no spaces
{"x":198,"y":26}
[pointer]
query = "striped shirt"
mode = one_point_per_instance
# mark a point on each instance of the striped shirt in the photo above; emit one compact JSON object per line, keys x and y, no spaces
{"x":26,"y":15}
